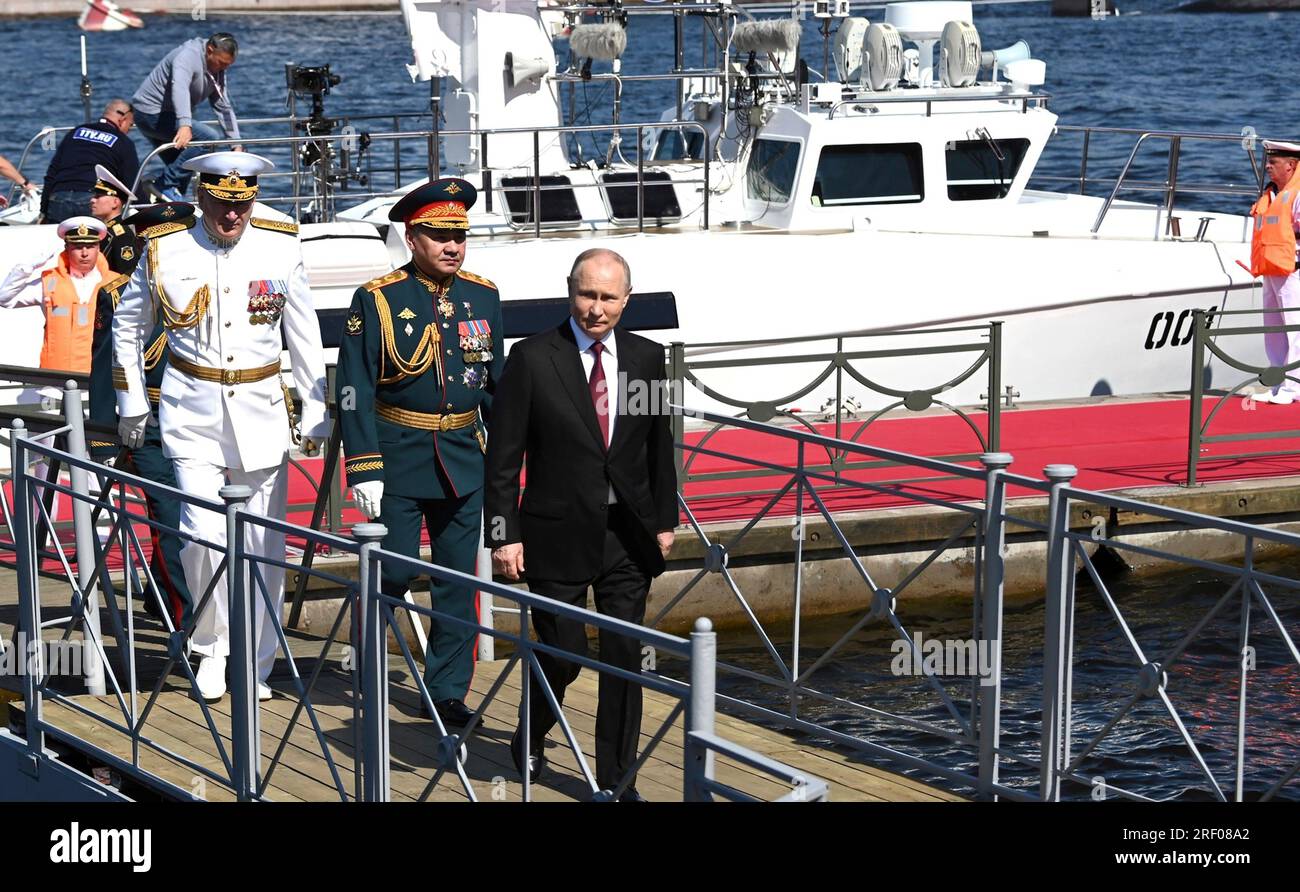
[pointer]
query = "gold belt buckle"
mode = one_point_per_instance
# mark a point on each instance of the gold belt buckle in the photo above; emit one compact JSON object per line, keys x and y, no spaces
{"x":444,"y":422}
{"x":229,"y":376}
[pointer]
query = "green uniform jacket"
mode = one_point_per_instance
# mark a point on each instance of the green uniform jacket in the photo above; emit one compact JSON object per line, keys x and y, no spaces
{"x":412,"y":347}
{"x":120,"y":248}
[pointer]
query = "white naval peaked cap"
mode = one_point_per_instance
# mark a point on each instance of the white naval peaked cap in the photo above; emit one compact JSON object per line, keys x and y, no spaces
{"x":244,"y":164}
{"x":106,"y":176}
{"x":1278,"y":147}
{"x":82,"y":230}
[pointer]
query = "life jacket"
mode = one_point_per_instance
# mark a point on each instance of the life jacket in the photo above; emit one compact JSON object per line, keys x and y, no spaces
{"x":69,"y":324}
{"x":1273,"y":244}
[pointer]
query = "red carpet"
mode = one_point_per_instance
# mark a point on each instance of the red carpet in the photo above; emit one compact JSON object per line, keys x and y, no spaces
{"x":1115,"y":445}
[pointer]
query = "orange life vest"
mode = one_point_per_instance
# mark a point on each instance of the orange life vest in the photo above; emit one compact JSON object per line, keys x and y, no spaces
{"x":69,"y":324}
{"x":1272,"y":245}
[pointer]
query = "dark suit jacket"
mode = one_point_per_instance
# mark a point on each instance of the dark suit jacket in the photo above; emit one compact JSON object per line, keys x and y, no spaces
{"x":543,"y":411}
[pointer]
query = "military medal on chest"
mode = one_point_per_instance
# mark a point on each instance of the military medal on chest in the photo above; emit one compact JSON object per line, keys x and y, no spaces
{"x":266,"y":298}
{"x":476,"y":340}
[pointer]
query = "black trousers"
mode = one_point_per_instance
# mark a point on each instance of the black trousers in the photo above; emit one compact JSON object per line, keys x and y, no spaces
{"x":620,"y":591}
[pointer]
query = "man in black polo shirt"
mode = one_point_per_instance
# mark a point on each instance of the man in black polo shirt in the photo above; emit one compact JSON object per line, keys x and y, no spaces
{"x":71,"y":174}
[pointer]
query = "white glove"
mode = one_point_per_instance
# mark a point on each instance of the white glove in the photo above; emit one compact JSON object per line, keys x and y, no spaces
{"x":368,"y":497}
{"x":130,"y":429}
{"x":309,"y":447}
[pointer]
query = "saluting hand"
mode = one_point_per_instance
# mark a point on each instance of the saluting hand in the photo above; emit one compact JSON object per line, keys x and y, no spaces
{"x":508,"y":560}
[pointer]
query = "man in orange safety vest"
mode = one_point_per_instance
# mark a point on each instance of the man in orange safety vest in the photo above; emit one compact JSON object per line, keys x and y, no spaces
{"x":1273,"y":257}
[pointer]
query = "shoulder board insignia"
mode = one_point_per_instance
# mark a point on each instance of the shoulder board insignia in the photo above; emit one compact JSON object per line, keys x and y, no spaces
{"x":396,"y":275}
{"x":274,"y":225}
{"x":114,"y":283}
{"x":162,"y":229}
{"x":116,"y":228}
{"x":477,"y":279}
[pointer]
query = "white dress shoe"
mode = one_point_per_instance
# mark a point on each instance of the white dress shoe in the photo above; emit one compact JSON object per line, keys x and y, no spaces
{"x":263,"y":691}
{"x":211,"y":678}
{"x":1280,"y":398}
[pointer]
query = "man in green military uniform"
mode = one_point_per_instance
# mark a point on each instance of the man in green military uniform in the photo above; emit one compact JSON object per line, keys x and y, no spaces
{"x":148,"y":460}
{"x":419,"y":361}
{"x":108,"y":198}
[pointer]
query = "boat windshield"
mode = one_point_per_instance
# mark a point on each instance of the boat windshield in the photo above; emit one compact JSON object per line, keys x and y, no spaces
{"x":773,"y":164}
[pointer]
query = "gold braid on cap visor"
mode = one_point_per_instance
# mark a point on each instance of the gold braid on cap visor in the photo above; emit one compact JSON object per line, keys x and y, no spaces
{"x":441,"y":215}
{"x":231,"y":187}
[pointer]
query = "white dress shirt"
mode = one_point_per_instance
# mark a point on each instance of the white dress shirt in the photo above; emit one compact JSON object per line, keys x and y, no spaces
{"x":608,"y":362}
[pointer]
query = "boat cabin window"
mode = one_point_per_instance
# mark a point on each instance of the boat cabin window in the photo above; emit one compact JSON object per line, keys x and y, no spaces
{"x":559,"y":204}
{"x":658,"y":197}
{"x":981,"y":169}
{"x":884,"y":173}
{"x":773,"y":164}
{"x":679,"y":145}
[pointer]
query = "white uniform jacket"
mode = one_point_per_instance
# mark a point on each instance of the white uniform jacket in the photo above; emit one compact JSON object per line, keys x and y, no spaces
{"x":246,"y":294}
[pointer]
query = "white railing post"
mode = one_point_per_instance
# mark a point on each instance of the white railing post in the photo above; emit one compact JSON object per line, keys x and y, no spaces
{"x":1056,"y":624}
{"x":699,"y":714}
{"x":242,"y":593}
{"x":990,"y":643}
{"x":74,"y":414}
{"x":373,"y":665}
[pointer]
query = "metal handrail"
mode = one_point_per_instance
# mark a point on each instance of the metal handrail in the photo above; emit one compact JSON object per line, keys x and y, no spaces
{"x":536,"y":133}
{"x":1170,"y":185}
{"x":242,"y":757}
{"x":874,"y":98}
{"x":1205,"y":338}
{"x":839,"y":362}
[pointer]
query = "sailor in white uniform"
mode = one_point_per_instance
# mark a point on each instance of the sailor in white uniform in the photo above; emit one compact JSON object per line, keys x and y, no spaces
{"x":224,"y":287}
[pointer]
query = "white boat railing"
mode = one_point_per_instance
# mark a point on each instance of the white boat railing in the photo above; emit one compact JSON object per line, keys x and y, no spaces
{"x":324,"y":196}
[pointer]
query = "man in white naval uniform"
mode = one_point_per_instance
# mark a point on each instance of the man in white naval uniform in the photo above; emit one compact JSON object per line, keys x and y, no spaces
{"x":224,"y":288}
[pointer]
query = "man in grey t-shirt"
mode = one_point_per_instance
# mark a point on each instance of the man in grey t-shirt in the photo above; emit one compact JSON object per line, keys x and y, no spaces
{"x":166,"y":103}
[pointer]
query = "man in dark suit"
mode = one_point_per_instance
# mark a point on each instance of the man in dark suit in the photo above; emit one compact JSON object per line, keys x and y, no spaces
{"x":580,"y":402}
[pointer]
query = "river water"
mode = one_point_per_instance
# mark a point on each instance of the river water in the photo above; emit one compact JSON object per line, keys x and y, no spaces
{"x":1153,"y":68}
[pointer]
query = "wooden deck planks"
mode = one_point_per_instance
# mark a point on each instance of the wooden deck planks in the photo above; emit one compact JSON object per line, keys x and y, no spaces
{"x":302,"y":774}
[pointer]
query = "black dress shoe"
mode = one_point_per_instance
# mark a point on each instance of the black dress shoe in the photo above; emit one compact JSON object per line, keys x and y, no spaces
{"x":536,"y":761}
{"x":631,"y":795}
{"x":454,"y":713}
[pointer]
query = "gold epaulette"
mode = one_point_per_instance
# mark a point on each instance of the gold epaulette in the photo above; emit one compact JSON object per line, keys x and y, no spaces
{"x":274,"y":225}
{"x":161,"y":229}
{"x":396,"y":275}
{"x":477,"y":279}
{"x":114,"y":283}
{"x":116,"y":228}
